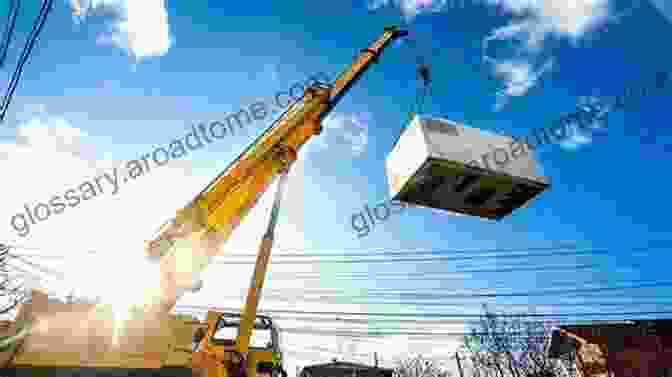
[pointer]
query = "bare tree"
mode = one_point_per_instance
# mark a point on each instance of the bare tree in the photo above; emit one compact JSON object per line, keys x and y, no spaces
{"x":12,"y":289}
{"x":510,"y":346}
{"x":418,"y":366}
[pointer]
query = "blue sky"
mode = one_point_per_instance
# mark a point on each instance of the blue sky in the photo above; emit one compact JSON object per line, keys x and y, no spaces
{"x":218,"y":58}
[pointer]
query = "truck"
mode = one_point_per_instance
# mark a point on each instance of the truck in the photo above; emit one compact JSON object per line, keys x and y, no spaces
{"x":52,"y":338}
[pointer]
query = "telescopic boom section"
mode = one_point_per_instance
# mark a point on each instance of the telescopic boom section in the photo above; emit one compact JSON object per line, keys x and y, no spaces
{"x":249,"y":313}
{"x":367,"y":56}
{"x":185,"y":245}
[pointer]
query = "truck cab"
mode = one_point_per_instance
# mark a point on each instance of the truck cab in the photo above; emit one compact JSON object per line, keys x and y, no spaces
{"x":219,"y":347}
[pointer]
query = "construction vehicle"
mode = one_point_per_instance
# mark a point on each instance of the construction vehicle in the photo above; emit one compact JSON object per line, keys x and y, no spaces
{"x":185,"y":245}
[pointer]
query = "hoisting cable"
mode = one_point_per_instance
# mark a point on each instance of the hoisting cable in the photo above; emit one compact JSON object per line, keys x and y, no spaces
{"x":424,"y":74}
{"x":425,"y":91}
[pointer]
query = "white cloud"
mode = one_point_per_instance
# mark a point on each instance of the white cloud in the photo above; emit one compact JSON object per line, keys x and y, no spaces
{"x":665,"y":8}
{"x":410,"y":8}
{"x":519,"y":77}
{"x":50,"y":156}
{"x":139,"y":27}
{"x":566,"y":18}
{"x":343,"y":135}
{"x":524,"y":62}
{"x":578,"y":137}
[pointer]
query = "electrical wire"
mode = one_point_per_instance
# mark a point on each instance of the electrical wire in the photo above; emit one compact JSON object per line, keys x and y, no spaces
{"x":39,"y":267}
{"x":526,"y":294}
{"x":424,"y":315}
{"x":432,"y":334}
{"x":446,"y":305}
{"x":326,"y":294}
{"x":25,"y":54}
{"x":473,"y":293}
{"x":364,"y":252}
{"x":374,"y":275}
{"x":590,"y":253}
{"x":487,"y":255}
{"x":301,"y":252}
{"x":340,"y":299}
{"x":407,"y":276}
{"x":428,"y":277}
{"x":326,"y":350}
{"x":14,"y":6}
{"x":387,"y":320}
{"x":435,"y":279}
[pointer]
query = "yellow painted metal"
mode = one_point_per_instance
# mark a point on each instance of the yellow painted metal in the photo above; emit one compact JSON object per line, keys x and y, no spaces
{"x":292,"y":131}
{"x":185,"y":245}
{"x":208,"y":361}
{"x":199,"y":230}
{"x":249,"y":312}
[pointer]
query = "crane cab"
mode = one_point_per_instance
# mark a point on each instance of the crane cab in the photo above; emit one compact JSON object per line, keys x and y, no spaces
{"x":219,"y":345}
{"x":441,"y":164}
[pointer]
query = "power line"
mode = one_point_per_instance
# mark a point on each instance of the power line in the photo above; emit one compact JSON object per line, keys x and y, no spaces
{"x":590,"y":253}
{"x":387,"y":320}
{"x":326,"y":350}
{"x":293,"y":276}
{"x":411,"y":252}
{"x":441,"y":305}
{"x":651,"y":245}
{"x":284,"y":296}
{"x":467,"y":319}
{"x":25,"y":54}
{"x":492,"y":283}
{"x":334,"y":293}
{"x":309,"y":331}
{"x":363,"y":252}
{"x":62,"y":276}
{"x":39,"y":267}
{"x":406,"y":276}
{"x":425,"y":315}
{"x":463,"y":304}
{"x":586,"y":252}
{"x":412,"y":274}
{"x":14,"y":6}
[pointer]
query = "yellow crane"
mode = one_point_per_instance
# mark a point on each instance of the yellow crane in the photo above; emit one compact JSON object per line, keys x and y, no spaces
{"x":211,"y":216}
{"x":184,"y":246}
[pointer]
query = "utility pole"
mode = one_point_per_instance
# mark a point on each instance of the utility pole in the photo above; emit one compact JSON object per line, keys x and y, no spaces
{"x":375,"y":359}
{"x":459,"y":365}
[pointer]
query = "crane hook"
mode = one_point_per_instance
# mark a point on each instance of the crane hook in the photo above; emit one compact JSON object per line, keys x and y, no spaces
{"x":425,"y":74}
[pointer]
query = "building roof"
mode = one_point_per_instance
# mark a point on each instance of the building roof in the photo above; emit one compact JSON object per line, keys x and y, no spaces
{"x":648,"y":327}
{"x":341,"y":364}
{"x":344,"y":368}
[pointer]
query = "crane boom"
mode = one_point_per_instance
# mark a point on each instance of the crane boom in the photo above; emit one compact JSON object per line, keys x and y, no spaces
{"x":185,"y":245}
